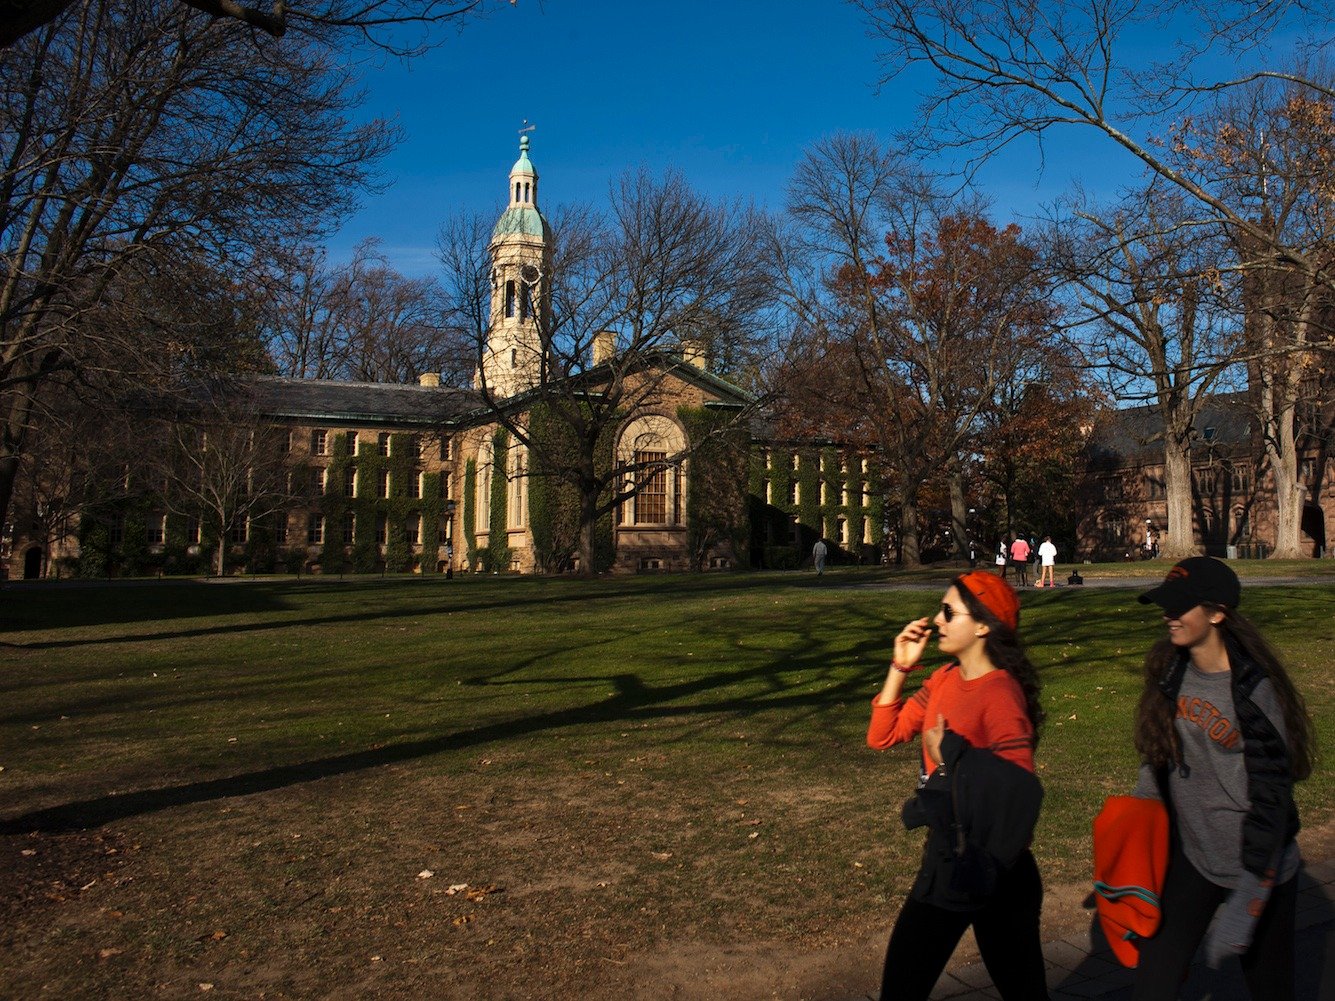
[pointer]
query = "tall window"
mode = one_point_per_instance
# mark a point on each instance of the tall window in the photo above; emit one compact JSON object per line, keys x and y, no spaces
{"x":415,"y":484}
{"x":381,"y":529}
{"x":239,"y":530}
{"x":192,"y":531}
{"x":280,"y":529}
{"x":350,"y":481}
{"x":413,"y":529}
{"x":510,"y":298}
{"x":840,"y":531}
{"x":157,"y":529}
{"x":383,"y":443}
{"x":349,"y":527}
{"x":315,"y":530}
{"x":651,"y":501}
{"x":319,"y":443}
{"x":317,"y":480}
{"x":382,"y":484}
{"x":350,"y":437}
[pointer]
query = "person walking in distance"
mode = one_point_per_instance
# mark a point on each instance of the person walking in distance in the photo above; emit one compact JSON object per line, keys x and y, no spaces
{"x":1047,"y":560}
{"x":1020,"y":560}
{"x":818,"y":554}
{"x":1223,"y":736}
{"x":978,"y":796}
{"x":1003,"y":557}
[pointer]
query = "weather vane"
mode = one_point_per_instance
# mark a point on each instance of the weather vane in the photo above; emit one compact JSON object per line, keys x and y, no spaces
{"x":527,"y":127}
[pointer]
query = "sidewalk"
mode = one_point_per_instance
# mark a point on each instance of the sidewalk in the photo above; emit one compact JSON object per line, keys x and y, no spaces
{"x":1081,"y":967}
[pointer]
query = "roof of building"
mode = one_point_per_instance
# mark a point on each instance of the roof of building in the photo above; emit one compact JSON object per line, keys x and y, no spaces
{"x":522,"y":220}
{"x":1134,"y":434}
{"x":361,"y":402}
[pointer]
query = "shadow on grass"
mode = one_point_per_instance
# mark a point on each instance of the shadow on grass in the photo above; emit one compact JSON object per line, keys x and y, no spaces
{"x":631,"y":701}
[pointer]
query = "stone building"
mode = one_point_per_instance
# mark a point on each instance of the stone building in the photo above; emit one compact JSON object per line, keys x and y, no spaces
{"x":1232,"y":499}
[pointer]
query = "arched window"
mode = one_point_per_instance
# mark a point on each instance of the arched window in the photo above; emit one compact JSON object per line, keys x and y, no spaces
{"x":646,"y":450}
{"x":516,"y":191}
{"x":510,"y":298}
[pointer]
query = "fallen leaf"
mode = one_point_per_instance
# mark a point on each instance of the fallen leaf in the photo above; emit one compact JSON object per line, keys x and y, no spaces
{"x":425,"y":874}
{"x":482,"y":892}
{"x":28,"y":851}
{"x":108,"y":953}
{"x":463,"y":919}
{"x":456,"y":888}
{"x":206,"y":987}
{"x":661,"y":856}
{"x":754,"y":834}
{"x":377,"y":959}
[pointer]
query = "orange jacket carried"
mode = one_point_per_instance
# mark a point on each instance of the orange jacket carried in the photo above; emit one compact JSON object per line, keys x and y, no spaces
{"x":1130,"y":860}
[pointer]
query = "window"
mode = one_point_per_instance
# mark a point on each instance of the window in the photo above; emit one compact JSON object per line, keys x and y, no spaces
{"x":1209,"y":434}
{"x":291,"y":440}
{"x":840,"y":530}
{"x":318,"y":475}
{"x":1240,"y":479}
{"x":446,"y":448}
{"x":118,"y":530}
{"x":382,"y":443}
{"x":381,"y":529}
{"x":350,"y":439}
{"x":412,"y":529}
{"x":824,"y":491}
{"x":510,"y":298}
{"x":525,"y":303}
{"x":315,"y":530}
{"x":192,"y":531}
{"x":415,"y":446}
{"x":445,"y":532}
{"x":794,"y":493}
{"x":239,"y":531}
{"x":1242,"y":527}
{"x":651,"y":500}
{"x":1154,"y":488}
{"x":793,"y":462}
{"x":1205,"y":481}
{"x":349,"y":527}
{"x":415,"y":484}
{"x":382,"y":484}
{"x":445,"y":485}
{"x":843,"y":494}
{"x":350,"y":481}
{"x":319,"y":443}
{"x":280,"y":530}
{"x":767,"y":491}
{"x":156,"y":529}
{"x":765,"y":458}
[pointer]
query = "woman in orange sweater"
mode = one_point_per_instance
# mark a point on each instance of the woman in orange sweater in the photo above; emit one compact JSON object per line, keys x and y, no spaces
{"x":978,"y":717}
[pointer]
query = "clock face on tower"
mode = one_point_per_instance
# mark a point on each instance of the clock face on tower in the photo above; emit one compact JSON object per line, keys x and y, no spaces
{"x":529,"y":274}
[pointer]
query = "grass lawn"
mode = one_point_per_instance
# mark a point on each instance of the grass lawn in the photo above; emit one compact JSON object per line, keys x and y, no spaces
{"x":651,"y":786}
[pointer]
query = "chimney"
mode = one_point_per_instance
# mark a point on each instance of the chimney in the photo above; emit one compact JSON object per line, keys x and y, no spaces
{"x":604,"y":346}
{"x":429,"y":379}
{"x":693,"y":351}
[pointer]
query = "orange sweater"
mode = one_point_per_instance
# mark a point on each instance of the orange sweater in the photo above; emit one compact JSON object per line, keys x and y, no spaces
{"x":988,"y":712}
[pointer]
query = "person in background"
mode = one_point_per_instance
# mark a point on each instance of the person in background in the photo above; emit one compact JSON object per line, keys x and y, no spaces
{"x":1047,"y":560}
{"x":1003,"y":557}
{"x":818,"y":554}
{"x":1020,"y":560}
{"x":1223,"y":736}
{"x":978,"y":717}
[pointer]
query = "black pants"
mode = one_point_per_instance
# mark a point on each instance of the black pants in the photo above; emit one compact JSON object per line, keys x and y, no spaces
{"x":1189,"y":901}
{"x":1006,"y":929}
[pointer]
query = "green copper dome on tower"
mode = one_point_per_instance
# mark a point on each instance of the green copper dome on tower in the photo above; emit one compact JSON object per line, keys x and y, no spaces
{"x":521,"y":217}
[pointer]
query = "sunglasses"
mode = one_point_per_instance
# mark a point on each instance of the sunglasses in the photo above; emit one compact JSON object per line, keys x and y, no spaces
{"x":949,"y":611}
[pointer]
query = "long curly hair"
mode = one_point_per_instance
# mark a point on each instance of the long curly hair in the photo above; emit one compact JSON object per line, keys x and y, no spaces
{"x":1156,"y":737}
{"x":1004,"y":649}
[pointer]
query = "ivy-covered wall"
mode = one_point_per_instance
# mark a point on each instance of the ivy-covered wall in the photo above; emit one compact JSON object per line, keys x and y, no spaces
{"x":816,"y":514}
{"x":717,"y":515}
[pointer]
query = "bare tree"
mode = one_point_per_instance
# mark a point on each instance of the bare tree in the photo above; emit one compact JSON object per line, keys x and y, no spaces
{"x":1006,"y":71}
{"x":218,"y":461}
{"x":141,"y":139}
{"x":1157,"y":321}
{"x":377,"y":20}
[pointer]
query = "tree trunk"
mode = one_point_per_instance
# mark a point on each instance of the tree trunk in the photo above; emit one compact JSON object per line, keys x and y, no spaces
{"x":1177,"y":540}
{"x":222,"y":554}
{"x":588,"y":523}
{"x":9,"y":471}
{"x":959,"y":509}
{"x":909,"y":549}
{"x":1281,"y":449}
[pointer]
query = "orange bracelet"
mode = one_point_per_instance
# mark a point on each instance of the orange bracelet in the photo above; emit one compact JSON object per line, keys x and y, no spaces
{"x":903,"y":670}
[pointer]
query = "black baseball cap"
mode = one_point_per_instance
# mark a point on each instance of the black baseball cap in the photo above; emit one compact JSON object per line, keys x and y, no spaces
{"x":1197,"y":580}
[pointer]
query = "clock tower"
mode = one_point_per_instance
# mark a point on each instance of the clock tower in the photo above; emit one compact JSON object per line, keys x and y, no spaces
{"x":521,"y":254}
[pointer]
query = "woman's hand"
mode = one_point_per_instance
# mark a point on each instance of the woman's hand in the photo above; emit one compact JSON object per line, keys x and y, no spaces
{"x":912,"y":641}
{"x":931,"y":739}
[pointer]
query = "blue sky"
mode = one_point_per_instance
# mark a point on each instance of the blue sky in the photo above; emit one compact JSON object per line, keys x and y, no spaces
{"x":728,"y":92}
